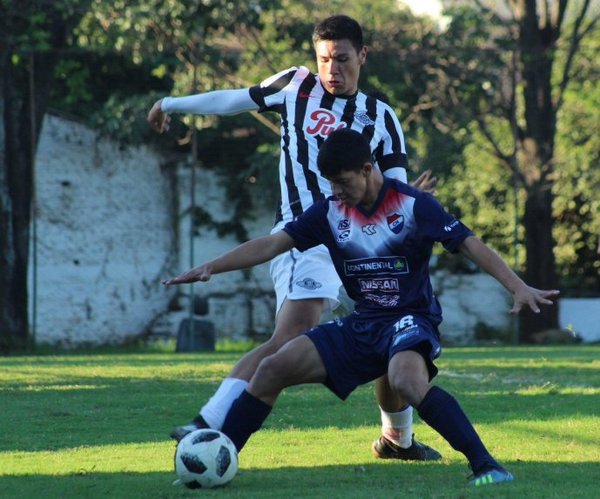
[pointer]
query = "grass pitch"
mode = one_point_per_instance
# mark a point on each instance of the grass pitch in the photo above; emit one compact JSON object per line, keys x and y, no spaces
{"x":96,"y":425}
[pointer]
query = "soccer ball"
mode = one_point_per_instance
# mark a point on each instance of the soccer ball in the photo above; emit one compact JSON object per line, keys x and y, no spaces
{"x":205,"y":459}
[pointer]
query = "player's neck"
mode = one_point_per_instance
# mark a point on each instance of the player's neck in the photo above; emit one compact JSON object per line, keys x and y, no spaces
{"x":374,"y":186}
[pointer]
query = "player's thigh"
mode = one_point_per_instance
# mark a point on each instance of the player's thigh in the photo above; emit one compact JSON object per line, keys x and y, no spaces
{"x":296,"y":317}
{"x":297,"y":362}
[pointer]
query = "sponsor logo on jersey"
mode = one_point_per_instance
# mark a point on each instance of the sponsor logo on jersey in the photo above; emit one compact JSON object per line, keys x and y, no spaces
{"x":379,"y":284}
{"x":395,"y":222}
{"x":409,"y":333}
{"x":369,"y":229}
{"x":343,"y":224}
{"x":343,"y":236}
{"x":343,"y":228}
{"x":364,"y":118}
{"x":383,"y":300}
{"x":374,"y":266}
{"x":309,"y":283}
{"x":449,"y":227}
{"x":324,"y":123}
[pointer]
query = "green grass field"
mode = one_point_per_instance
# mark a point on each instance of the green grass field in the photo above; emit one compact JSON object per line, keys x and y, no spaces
{"x":96,"y":425}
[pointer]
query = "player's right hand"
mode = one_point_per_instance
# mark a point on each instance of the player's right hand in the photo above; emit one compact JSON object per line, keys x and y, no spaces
{"x":426,"y":182}
{"x":202,"y":273}
{"x":158,"y":120}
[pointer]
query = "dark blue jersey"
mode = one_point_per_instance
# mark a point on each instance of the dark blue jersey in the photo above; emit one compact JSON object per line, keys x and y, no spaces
{"x":382,"y":256}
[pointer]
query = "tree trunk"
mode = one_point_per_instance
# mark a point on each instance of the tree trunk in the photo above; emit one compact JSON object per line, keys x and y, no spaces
{"x":24,"y":71}
{"x":540,"y":270}
{"x":16,"y":176}
{"x":537,"y":45}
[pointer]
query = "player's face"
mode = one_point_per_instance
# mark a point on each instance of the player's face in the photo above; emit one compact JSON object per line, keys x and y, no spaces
{"x":339,"y":65}
{"x":350,"y":187}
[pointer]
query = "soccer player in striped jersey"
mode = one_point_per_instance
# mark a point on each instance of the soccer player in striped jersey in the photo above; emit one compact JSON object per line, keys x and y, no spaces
{"x":380,"y":233}
{"x":311,"y":106}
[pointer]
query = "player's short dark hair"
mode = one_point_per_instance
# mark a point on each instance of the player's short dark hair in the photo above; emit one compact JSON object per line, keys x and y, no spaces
{"x":343,"y":150}
{"x":339,"y":27}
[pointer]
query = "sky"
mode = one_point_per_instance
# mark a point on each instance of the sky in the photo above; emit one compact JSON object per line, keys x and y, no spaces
{"x":432,"y":8}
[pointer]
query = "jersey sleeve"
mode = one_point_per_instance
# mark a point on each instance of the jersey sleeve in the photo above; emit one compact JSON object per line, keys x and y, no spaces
{"x":391,"y":150}
{"x":222,"y":102}
{"x":311,"y":228}
{"x":438,"y":224}
{"x":270,"y":94}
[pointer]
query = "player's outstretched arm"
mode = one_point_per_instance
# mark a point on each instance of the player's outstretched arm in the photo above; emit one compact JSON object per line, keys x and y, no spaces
{"x":488,"y":260}
{"x":245,"y":255}
{"x":219,"y":102}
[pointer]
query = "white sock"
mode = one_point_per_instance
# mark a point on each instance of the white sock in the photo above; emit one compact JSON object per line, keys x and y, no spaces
{"x":215,"y":410}
{"x":398,"y":426}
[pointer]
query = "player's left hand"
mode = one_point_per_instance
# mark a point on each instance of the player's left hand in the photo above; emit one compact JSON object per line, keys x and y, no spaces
{"x":526,"y":296}
{"x":202,"y":273}
{"x":426,"y":182}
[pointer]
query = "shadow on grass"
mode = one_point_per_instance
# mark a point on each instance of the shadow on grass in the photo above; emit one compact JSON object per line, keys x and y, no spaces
{"x":106,"y":411}
{"x":401,"y":480}
{"x":119,"y":399}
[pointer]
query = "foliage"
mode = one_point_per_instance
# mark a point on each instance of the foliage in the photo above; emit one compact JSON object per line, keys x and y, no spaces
{"x":577,"y":206}
{"x":452,"y":86}
{"x":458,"y":87}
{"x":478,"y":85}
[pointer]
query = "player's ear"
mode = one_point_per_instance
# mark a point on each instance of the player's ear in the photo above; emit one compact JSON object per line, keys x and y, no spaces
{"x":367,"y":168}
{"x":362,"y":55}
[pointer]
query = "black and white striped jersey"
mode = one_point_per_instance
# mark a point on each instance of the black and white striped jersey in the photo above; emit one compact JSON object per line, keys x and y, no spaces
{"x":308,"y":114}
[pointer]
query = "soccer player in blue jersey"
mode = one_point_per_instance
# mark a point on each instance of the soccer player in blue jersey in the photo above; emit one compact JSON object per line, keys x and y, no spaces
{"x":311,"y":106}
{"x":380,"y":233}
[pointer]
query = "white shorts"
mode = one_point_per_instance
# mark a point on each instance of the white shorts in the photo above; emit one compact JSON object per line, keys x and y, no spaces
{"x":302,"y":275}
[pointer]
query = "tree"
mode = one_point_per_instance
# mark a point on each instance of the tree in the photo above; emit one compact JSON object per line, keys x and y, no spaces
{"x":34,"y":32}
{"x":498,"y":75}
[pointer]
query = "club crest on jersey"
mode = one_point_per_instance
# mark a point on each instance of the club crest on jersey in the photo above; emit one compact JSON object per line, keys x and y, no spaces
{"x":364,"y":119}
{"x":395,"y":222}
{"x":324,"y":123}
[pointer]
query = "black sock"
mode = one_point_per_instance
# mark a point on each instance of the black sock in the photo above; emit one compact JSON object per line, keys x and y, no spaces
{"x":441,"y":411}
{"x":245,"y":417}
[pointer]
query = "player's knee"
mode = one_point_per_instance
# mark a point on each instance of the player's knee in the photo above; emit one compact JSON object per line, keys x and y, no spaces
{"x":410,"y":387}
{"x":271,"y":370}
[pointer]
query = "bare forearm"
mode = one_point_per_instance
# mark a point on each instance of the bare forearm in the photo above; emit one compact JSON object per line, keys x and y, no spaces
{"x":243,"y":256}
{"x":490,"y":262}
{"x":523,"y":295}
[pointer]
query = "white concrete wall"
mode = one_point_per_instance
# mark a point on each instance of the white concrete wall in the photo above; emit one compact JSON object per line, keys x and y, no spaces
{"x":105,"y":237}
{"x":240,"y":303}
{"x":582,"y":316}
{"x":469,"y":301}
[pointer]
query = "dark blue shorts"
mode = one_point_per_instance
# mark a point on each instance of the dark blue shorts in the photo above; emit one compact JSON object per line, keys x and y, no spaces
{"x":356,"y":350}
